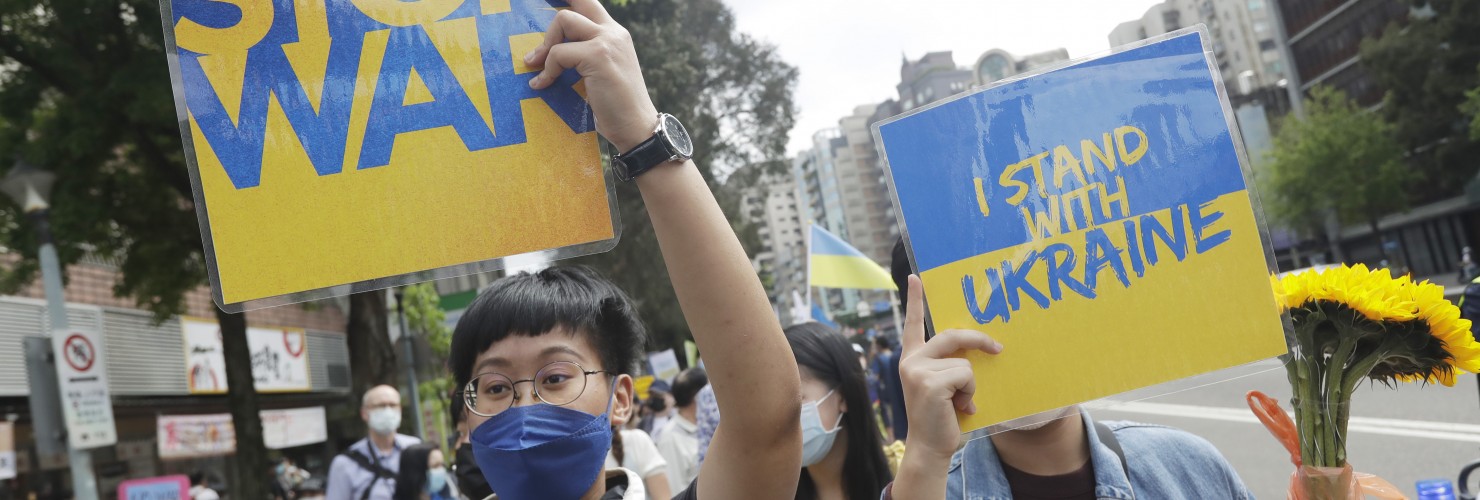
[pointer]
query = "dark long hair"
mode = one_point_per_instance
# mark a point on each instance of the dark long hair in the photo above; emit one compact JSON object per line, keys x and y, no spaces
{"x":411,"y":480}
{"x":830,"y":358}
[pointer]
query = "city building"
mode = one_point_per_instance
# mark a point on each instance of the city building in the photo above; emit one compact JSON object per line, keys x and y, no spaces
{"x":167,"y":382}
{"x":820,"y":202}
{"x":1244,"y":35}
{"x":769,"y":201}
{"x":997,"y":64}
{"x":1325,"y":37}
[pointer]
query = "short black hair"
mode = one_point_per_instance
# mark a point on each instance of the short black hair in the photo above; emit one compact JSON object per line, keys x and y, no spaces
{"x":899,"y":267}
{"x":533,"y":304}
{"x":687,"y":384}
{"x":197,"y":478}
{"x":411,"y":480}
{"x":882,"y":341}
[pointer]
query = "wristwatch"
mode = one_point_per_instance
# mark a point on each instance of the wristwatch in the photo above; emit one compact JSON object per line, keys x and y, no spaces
{"x":670,"y":142}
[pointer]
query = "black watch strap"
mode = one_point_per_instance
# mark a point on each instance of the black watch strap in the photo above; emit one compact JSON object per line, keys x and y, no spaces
{"x":644,"y":157}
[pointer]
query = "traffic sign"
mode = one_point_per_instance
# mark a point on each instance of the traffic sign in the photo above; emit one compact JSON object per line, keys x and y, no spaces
{"x":83,"y":379}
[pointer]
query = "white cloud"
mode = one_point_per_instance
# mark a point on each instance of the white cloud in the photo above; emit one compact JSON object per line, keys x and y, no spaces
{"x":849,"y":52}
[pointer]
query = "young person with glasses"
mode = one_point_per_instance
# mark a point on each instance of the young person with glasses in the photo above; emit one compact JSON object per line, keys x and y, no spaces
{"x":546,"y":359}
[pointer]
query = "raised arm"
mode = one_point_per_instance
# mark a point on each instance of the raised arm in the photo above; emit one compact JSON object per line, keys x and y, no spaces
{"x":757,"y":452}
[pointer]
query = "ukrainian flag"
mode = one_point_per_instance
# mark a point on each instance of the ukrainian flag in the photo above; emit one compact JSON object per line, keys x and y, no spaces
{"x":836,"y":264}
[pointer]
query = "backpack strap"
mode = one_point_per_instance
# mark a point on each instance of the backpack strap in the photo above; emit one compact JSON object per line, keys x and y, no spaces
{"x":1107,"y":438}
{"x":374,"y":467}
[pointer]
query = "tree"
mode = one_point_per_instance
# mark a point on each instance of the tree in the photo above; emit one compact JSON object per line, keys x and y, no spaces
{"x":1426,"y":64}
{"x":734,"y":94}
{"x":1339,"y":158}
{"x":84,"y":91}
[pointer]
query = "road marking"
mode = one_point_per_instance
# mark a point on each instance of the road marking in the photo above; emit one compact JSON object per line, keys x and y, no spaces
{"x":1444,"y":431}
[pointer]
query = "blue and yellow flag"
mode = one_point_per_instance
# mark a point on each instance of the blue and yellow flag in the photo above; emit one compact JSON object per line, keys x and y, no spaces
{"x":836,"y":264}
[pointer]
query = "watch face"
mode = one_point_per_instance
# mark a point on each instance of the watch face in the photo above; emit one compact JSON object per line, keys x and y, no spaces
{"x":678,"y":137}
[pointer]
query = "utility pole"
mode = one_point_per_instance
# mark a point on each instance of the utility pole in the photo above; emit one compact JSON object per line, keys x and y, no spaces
{"x":410,"y":366}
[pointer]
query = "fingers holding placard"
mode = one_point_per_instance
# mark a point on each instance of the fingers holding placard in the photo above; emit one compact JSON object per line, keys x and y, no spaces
{"x":937,"y":384}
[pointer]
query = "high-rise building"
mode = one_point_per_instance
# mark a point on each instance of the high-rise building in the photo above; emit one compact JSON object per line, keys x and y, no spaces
{"x":997,"y":64}
{"x":820,"y":201}
{"x":1244,"y":35}
{"x":769,"y":200}
{"x":1325,"y":36}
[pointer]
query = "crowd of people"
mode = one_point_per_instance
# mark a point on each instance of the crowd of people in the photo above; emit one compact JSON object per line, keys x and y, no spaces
{"x":546,"y":364}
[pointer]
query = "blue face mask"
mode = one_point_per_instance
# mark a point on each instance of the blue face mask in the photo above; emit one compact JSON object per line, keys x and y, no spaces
{"x":436,"y":479}
{"x":542,"y":451}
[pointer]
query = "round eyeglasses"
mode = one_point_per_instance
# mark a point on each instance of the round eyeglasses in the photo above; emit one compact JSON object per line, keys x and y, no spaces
{"x":558,"y":383}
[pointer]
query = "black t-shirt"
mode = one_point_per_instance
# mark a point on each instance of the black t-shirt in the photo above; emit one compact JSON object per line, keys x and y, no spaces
{"x":1077,"y":485}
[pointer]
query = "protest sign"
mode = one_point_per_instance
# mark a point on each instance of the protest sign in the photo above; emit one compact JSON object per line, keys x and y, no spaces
{"x":279,"y":358}
{"x":1096,"y":219}
{"x":338,"y":147}
{"x":155,"y":488}
{"x":664,"y":364}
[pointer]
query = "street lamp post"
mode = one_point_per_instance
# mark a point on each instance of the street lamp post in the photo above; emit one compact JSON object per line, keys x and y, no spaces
{"x":413,"y":388}
{"x":29,"y":186}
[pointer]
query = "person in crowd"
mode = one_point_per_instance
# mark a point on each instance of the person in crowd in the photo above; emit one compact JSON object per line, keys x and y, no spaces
{"x":368,"y":468}
{"x":547,"y":359}
{"x":423,"y":475}
{"x":633,"y":450}
{"x":470,"y":483}
{"x":708,"y":416}
{"x":659,"y":406}
{"x":842,"y":451}
{"x":310,"y":489}
{"x":1062,"y":454}
{"x":288,"y":477}
{"x":199,"y":490}
{"x":678,"y":442}
{"x":891,"y":399}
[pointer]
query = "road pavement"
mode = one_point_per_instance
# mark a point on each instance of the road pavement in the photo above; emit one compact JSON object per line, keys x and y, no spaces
{"x":1403,"y":434}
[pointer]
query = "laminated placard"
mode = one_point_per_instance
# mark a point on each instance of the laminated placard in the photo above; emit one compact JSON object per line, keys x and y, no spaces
{"x":345,"y":146}
{"x":1097,"y":219}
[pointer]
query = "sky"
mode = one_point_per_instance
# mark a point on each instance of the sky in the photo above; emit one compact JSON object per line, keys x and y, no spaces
{"x":849,"y":52}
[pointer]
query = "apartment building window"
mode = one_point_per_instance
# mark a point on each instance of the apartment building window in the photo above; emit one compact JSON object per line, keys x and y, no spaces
{"x":1266,"y":45}
{"x":1256,"y":5}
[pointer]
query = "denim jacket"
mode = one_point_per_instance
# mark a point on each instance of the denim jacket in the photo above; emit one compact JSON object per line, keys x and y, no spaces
{"x":1164,"y":463}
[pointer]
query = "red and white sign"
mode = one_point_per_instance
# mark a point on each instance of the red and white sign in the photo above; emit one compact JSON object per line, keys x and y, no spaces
{"x":82,"y":377}
{"x":279,"y":358}
{"x":194,"y":436}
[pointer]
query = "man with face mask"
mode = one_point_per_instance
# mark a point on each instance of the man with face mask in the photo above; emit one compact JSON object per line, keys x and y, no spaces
{"x":367,"y":470}
{"x":1061,"y":454}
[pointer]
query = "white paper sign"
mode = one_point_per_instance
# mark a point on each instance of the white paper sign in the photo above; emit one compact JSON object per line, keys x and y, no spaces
{"x":294,"y":427}
{"x":279,"y":358}
{"x":83,"y":380}
{"x":664,"y":363}
{"x":192,"y":436}
{"x":7,"y":451}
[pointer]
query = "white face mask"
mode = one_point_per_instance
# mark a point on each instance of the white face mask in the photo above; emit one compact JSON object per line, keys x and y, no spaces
{"x":817,"y":441}
{"x":385,"y":421}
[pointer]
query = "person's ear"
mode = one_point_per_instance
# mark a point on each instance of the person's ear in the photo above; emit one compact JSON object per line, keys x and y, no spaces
{"x":622,"y":400}
{"x":842,"y":403}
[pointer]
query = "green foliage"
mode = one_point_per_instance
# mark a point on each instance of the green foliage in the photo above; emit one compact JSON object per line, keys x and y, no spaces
{"x":1427,"y":66}
{"x":85,"y":93}
{"x":734,"y":94}
{"x":1339,"y":157}
{"x":424,"y":316}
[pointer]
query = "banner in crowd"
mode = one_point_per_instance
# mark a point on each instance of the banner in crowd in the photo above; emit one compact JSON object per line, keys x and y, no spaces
{"x":338,"y":147}
{"x":279,"y":358}
{"x":192,"y":436}
{"x":664,"y":364}
{"x":1096,"y":219}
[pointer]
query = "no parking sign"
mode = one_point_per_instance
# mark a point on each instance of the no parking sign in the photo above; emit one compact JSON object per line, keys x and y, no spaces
{"x":83,"y":379}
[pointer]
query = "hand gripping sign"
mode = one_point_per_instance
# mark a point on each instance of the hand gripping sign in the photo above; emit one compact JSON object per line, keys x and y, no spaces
{"x":343,"y":146}
{"x":1096,"y":219}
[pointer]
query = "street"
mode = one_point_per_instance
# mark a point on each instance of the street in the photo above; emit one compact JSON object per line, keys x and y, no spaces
{"x":1404,"y":434}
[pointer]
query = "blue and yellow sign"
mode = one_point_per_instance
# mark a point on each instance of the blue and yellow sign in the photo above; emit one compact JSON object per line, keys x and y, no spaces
{"x":338,"y":142}
{"x":1094,"y":219}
